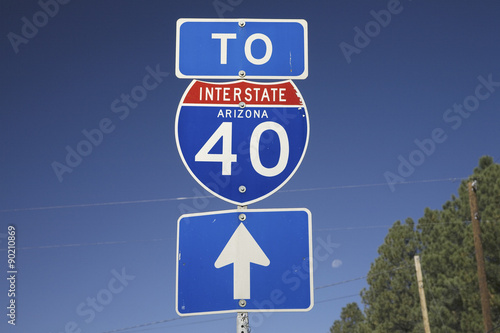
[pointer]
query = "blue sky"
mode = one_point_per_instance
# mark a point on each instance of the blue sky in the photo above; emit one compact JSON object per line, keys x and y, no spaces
{"x":413,"y":98}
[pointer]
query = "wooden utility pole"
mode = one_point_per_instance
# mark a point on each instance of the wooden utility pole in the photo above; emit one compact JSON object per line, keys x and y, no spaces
{"x":423,"y":303}
{"x":481,"y":272}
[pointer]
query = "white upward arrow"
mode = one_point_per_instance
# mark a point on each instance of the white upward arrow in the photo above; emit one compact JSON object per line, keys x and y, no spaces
{"x":241,"y":250}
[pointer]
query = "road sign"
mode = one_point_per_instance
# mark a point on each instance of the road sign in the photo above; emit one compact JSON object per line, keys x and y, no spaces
{"x":254,"y":260}
{"x":242,"y":140}
{"x":223,"y":48}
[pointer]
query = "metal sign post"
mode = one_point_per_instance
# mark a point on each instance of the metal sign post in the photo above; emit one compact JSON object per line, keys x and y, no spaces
{"x":242,"y":321}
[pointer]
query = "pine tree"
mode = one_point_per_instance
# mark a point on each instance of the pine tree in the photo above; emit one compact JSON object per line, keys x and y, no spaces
{"x":392,"y":303}
{"x":352,"y":320}
{"x":449,"y":269}
{"x":444,"y":240}
{"x":488,"y":194}
{"x":449,"y":254}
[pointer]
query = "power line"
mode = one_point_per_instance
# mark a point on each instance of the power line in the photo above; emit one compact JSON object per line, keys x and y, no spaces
{"x":114,"y":203}
{"x":356,"y":228}
{"x":142,"y":329}
{"x":342,"y":187}
{"x":171,"y":238}
{"x":341,"y":282}
{"x":363,"y":277}
{"x":143,"y":325}
{"x":183,"y":324}
{"x":322,"y":301}
{"x":390,"y":225}
{"x":90,"y":244}
{"x":335,"y":298}
{"x":111,"y":203}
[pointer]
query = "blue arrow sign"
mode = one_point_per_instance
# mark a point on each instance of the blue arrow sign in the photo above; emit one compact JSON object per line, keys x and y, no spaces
{"x":223,"y":48}
{"x":242,"y":140}
{"x":255,"y":260}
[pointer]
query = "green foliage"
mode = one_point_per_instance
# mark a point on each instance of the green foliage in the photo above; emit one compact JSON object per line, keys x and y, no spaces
{"x":392,"y":299}
{"x":351,"y":320}
{"x":444,"y":241}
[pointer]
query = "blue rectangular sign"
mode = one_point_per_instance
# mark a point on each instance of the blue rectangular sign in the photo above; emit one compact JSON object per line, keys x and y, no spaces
{"x":255,"y":260}
{"x":241,"y":48}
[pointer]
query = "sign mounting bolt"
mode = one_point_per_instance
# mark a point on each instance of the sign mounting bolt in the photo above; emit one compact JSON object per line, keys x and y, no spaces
{"x":242,"y":188}
{"x":242,"y":105}
{"x":242,"y":74}
{"x":242,"y":303}
{"x":241,"y":24}
{"x":242,"y":217}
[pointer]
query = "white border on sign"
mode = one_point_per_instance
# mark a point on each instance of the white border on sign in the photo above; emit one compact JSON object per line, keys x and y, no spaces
{"x":302,"y":76}
{"x":245,"y":203}
{"x":311,"y":259}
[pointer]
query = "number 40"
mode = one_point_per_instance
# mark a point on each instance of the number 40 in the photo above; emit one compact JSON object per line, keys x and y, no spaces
{"x":225,"y":132}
